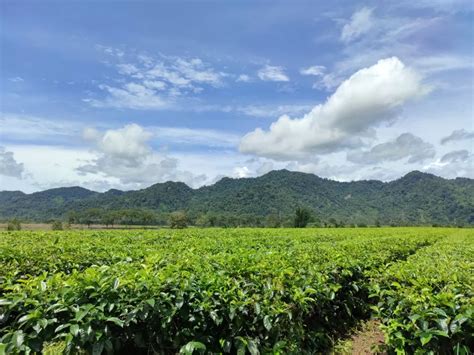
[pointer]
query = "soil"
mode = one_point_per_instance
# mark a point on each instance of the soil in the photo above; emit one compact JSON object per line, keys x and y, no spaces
{"x":368,"y":339}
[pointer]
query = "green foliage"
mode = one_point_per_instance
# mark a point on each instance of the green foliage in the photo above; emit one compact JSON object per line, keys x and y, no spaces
{"x":178,"y":220}
{"x":426,"y":303}
{"x":415,"y":199}
{"x":14,"y":225}
{"x":57,"y":226}
{"x":233,"y":290}
{"x":302,"y":217}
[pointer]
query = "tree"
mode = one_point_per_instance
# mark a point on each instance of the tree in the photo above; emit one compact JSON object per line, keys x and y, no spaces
{"x":147,"y":217}
{"x":72,"y":217}
{"x":333,"y":222}
{"x":57,"y":226}
{"x":91,"y":216}
{"x":14,"y":225}
{"x":203,"y":221}
{"x":178,"y":220}
{"x":302,"y":217}
{"x":108,"y":218}
{"x":273,"y":221}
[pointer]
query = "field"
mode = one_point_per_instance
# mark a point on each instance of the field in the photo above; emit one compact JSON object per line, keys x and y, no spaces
{"x":235,"y":290}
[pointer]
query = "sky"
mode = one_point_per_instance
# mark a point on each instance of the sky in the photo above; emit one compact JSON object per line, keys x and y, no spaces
{"x":125,"y":94}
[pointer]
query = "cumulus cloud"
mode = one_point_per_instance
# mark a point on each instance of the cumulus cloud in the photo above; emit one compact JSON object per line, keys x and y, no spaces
{"x":369,"y":97}
{"x":404,"y":146}
{"x":127,"y":155}
{"x":128,"y":144}
{"x":361,"y":22}
{"x":9,"y":166}
{"x":458,"y":135}
{"x":241,"y":172}
{"x":315,"y":70}
{"x":272,"y":73}
{"x":254,"y":167}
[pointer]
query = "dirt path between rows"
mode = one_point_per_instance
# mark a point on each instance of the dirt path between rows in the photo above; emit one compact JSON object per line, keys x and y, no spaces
{"x":368,"y":339}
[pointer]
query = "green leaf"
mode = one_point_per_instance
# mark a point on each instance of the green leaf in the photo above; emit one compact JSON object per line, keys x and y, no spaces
{"x":425,"y":338}
{"x":18,"y":339}
{"x":74,"y":329}
{"x":226,"y":345}
{"x":267,"y":323}
{"x":116,"y":321}
{"x":189,"y":348}
{"x":25,"y":318}
{"x":61,"y":327}
{"x":253,"y":348}
{"x":257,"y":308}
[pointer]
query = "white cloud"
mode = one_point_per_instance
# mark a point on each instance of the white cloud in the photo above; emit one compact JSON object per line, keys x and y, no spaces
{"x":51,"y":166}
{"x":272,"y":73}
{"x":265,"y":167}
{"x":243,"y":78}
{"x":16,"y":79}
{"x":15,"y":127}
{"x":459,"y":163}
{"x":39,"y":129}
{"x":272,"y":110}
{"x":315,"y":70}
{"x":196,"y":71}
{"x":204,"y":137}
{"x":369,"y":97}
{"x":361,"y":22}
{"x":155,"y":84}
{"x":133,"y":96}
{"x":404,"y":146}
{"x":443,"y":62}
{"x":391,"y":35}
{"x":242,"y":172}
{"x":458,"y":135}
{"x":110,"y":50}
{"x":128,"y":144}
{"x":125,"y":154}
{"x":456,"y":156}
{"x":9,"y":166}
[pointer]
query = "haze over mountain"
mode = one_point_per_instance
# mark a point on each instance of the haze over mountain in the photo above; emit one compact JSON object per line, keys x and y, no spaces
{"x":416,"y":198}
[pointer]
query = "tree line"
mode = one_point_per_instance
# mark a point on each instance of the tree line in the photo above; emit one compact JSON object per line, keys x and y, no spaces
{"x":301,"y":218}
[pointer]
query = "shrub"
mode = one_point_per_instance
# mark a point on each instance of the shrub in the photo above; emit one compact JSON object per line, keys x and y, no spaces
{"x":178,"y":220}
{"x":57,"y":226}
{"x":14,"y":225}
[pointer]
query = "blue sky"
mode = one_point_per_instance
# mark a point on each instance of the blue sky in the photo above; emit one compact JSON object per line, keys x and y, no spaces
{"x":110,"y":94}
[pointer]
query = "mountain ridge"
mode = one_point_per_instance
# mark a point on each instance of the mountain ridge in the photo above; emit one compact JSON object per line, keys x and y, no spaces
{"x":415,"y":198}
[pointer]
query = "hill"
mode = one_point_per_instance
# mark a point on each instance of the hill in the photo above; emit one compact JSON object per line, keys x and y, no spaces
{"x":416,"y":198}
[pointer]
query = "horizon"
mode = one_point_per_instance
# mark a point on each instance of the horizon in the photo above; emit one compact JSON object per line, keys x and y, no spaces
{"x":138,"y":93}
{"x":237,"y":178}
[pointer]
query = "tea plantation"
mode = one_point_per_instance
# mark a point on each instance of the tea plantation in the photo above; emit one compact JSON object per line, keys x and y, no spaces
{"x":235,"y":290}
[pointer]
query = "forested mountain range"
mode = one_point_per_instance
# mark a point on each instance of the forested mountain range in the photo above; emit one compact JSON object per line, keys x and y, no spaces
{"x":416,"y":198}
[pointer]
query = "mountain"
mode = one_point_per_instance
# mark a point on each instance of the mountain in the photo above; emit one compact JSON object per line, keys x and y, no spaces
{"x":416,"y":198}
